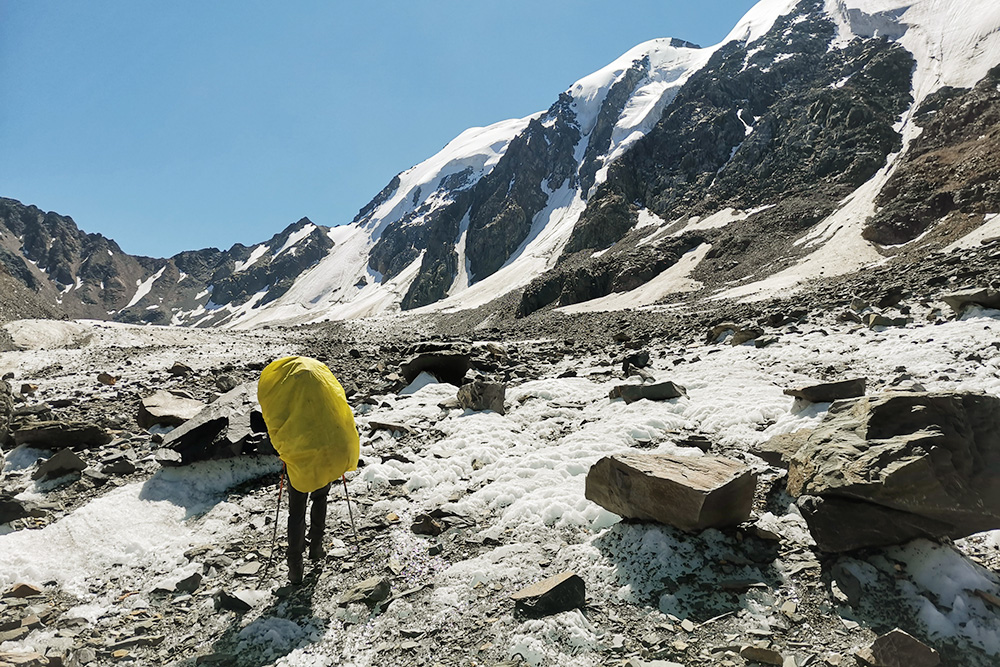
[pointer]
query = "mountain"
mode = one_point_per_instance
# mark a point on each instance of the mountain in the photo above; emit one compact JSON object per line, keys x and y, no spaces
{"x":818,"y":138}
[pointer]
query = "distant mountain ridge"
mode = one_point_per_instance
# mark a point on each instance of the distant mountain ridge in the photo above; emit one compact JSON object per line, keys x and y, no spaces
{"x":819,"y":137}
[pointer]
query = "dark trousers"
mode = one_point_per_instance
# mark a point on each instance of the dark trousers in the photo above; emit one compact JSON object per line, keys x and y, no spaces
{"x":297,"y":526}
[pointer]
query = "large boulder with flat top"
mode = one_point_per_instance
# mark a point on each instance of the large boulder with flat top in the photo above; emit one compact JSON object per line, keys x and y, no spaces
{"x":885,"y":469}
{"x":690,"y":493}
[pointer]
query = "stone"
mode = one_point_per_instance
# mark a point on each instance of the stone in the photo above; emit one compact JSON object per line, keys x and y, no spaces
{"x":179,"y":369}
{"x":28,"y":389}
{"x":637,"y":360}
{"x":230,"y":426}
{"x":764,"y":656}
{"x":107,"y":379}
{"x":165,"y":408}
{"x":745,"y":335}
{"x":719,"y":331}
{"x":189,"y":584}
{"x":425,"y":524}
{"x":22,"y":590}
{"x":778,"y":450}
{"x":370,"y":591}
{"x":663,"y":391}
{"x":560,"y":592}
{"x":899,"y":649}
{"x":12,"y":509}
{"x":62,"y":434}
{"x":226,"y":383}
{"x":118,"y":466}
{"x":479,"y":395}
{"x":872,"y":320}
{"x":226,"y":601}
{"x":26,"y":659}
{"x":690,"y":493}
{"x":959,"y":301}
{"x":248,"y":569}
{"x":63,"y":462}
{"x":828,"y":392}
{"x":886,"y":469}
{"x":447,"y":362}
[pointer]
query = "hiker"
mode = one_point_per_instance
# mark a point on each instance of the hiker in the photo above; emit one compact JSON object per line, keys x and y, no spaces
{"x":312,"y":428}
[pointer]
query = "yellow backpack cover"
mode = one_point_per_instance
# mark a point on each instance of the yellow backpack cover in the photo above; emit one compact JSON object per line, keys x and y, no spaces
{"x":309,"y":421}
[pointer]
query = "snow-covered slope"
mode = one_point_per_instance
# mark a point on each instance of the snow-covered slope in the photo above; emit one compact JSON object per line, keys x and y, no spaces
{"x":420,"y":243}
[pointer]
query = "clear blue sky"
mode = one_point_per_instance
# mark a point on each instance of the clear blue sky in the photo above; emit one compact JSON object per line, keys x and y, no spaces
{"x":174,"y":125}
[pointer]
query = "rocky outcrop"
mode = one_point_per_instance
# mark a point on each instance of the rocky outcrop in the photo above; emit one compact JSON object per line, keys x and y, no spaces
{"x":61,"y":434}
{"x":6,"y":409}
{"x":825,"y":392}
{"x":690,"y":493}
{"x":883,"y":470}
{"x":951,"y":169}
{"x":165,"y":408}
{"x":230,"y":426}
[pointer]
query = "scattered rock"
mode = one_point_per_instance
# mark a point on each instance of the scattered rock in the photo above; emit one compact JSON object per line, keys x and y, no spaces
{"x":898,"y":649}
{"x":557,"y":593}
{"x":165,"y":408}
{"x":107,"y":379}
{"x":179,"y":369}
{"x":29,"y":659}
{"x":765,"y":656}
{"x":28,"y":389}
{"x":690,"y":493}
{"x":63,"y":462}
{"x":189,"y":584}
{"x":479,"y":395}
{"x":663,"y":391}
{"x":829,"y":391}
{"x":745,"y":336}
{"x":230,"y":426}
{"x":22,"y":590}
{"x":62,"y":434}
{"x":425,"y":524}
{"x":872,"y":320}
{"x":225,"y":383}
{"x":231,"y":602}
{"x":370,"y":591}
{"x":448,"y":362}
{"x":883,"y":470}
{"x":779,"y":449}
{"x":959,"y":301}
{"x":12,"y":509}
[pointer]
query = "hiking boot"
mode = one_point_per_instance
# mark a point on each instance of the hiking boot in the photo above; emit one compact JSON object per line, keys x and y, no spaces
{"x":295,"y":569}
{"x":316,"y":551}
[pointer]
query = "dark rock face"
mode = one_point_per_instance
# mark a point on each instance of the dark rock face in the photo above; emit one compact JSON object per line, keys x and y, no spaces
{"x":953,"y":167}
{"x":783,"y":119}
{"x":447,"y":362}
{"x":886,"y":469}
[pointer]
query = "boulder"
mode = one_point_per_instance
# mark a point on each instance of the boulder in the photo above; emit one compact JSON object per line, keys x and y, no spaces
{"x":745,"y":335}
{"x":370,"y":591}
{"x":61,"y":463}
{"x":885,"y":469}
{"x":779,"y":449}
{"x":662,"y":391}
{"x":560,"y":592}
{"x":179,"y":369}
{"x":12,"y":509}
{"x":959,"y":301}
{"x":690,"y":493}
{"x":107,"y":378}
{"x":230,"y":426}
{"x":226,"y":383}
{"x":898,"y":649}
{"x":448,"y":362}
{"x":61,"y":435}
{"x":479,"y":395}
{"x":872,"y":320}
{"x":829,"y":391}
{"x":165,"y":408}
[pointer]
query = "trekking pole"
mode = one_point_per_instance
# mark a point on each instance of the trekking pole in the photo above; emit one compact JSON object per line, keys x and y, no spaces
{"x":357,"y":542}
{"x":274,"y":535}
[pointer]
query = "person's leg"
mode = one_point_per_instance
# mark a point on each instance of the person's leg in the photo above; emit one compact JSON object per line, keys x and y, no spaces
{"x":317,"y":522}
{"x":296,"y":533}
